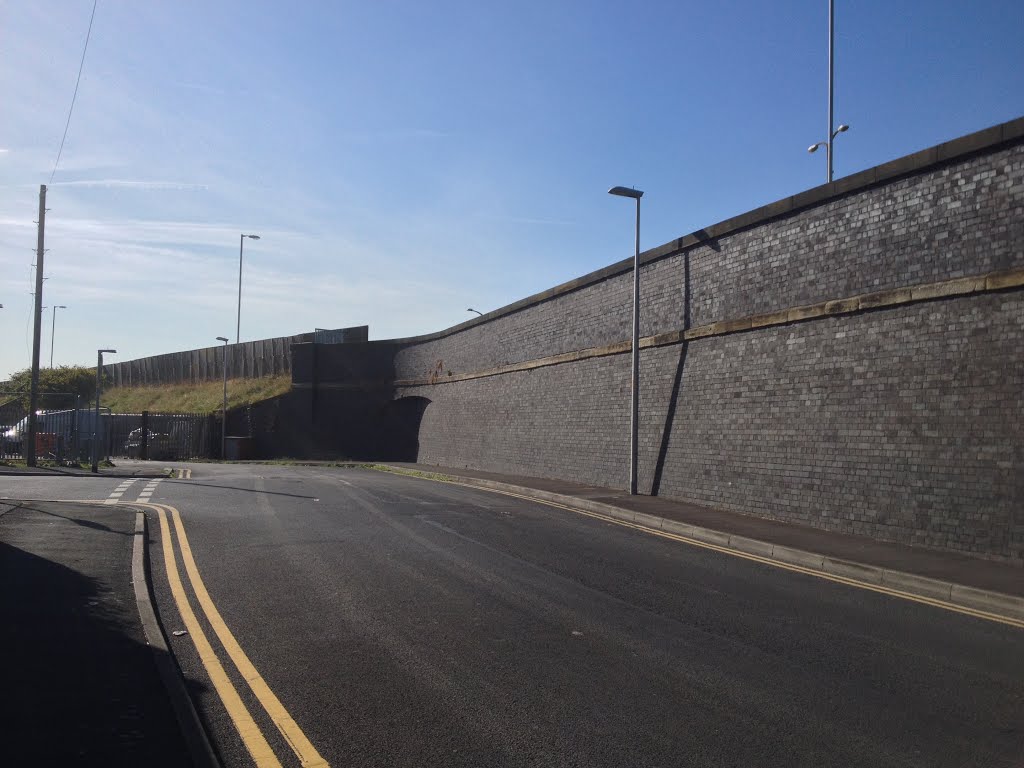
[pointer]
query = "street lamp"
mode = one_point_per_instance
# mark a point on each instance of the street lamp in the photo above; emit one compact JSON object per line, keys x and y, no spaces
{"x":53,"y":329}
{"x":241,"y":243}
{"x":828,"y":146}
{"x":832,"y":132}
{"x":224,"y":413}
{"x":475,"y":310}
{"x":634,"y":415}
{"x":96,"y":421}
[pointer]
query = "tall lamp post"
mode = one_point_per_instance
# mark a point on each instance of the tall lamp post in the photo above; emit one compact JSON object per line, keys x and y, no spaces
{"x":224,"y":412}
{"x":832,"y":131}
{"x":634,"y":415}
{"x":241,"y":244}
{"x":53,"y":329}
{"x":96,"y":421}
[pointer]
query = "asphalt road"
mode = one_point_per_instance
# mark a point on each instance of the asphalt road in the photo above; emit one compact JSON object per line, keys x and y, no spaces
{"x":406,"y":622}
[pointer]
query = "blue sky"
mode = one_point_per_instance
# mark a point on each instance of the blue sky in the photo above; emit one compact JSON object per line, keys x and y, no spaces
{"x":403,"y":161}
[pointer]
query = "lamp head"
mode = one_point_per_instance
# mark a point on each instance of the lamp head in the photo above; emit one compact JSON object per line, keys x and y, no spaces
{"x":111,"y":351}
{"x":252,"y":237}
{"x":221,"y":338}
{"x":636,"y":194}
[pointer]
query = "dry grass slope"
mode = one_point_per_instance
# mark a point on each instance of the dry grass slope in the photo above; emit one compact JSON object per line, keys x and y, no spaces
{"x":194,"y":398}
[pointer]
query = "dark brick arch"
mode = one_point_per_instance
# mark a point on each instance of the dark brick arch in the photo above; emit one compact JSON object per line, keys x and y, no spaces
{"x":400,"y":428}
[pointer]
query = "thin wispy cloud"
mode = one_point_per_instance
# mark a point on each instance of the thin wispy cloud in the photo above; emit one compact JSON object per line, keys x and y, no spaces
{"x":202,"y":88}
{"x":394,"y":135}
{"x":148,"y":231}
{"x":441,"y":172}
{"x":526,"y":220}
{"x":130,"y":184}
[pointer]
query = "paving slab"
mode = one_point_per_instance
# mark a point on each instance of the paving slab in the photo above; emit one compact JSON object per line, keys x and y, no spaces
{"x":157,"y":470}
{"x":81,"y":686}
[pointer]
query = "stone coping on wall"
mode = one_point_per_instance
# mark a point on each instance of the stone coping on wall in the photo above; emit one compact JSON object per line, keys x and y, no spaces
{"x":942,"y":154}
{"x":945,"y":289}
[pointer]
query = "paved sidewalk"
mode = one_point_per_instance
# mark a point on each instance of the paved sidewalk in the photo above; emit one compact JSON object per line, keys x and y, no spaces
{"x":154,"y":470}
{"x":942,"y":566}
{"x":80,"y":685}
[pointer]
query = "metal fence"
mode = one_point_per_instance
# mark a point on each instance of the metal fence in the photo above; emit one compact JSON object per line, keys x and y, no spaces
{"x":250,"y":359}
{"x":60,"y":435}
{"x":341,"y":335}
{"x":164,"y":436}
{"x":68,"y":435}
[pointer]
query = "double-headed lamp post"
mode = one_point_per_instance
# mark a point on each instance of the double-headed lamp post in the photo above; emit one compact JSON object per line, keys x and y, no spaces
{"x":224,"y":412}
{"x":241,"y":244}
{"x":96,"y":421}
{"x":634,"y":416}
{"x":53,"y":329}
{"x":828,"y":148}
{"x":832,"y":131}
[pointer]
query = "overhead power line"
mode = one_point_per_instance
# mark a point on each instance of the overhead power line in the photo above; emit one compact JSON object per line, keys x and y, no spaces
{"x":81,"y":64}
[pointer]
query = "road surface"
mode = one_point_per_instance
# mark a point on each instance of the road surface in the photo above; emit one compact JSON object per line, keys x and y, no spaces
{"x":395,"y":621}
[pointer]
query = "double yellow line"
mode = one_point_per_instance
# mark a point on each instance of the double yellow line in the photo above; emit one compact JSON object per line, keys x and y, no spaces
{"x":253,"y":738}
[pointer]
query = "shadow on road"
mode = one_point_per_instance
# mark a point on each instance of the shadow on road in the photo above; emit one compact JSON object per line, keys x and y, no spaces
{"x":193,"y":483}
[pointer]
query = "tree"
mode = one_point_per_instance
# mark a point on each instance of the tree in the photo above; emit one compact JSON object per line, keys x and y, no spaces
{"x":57,"y":387}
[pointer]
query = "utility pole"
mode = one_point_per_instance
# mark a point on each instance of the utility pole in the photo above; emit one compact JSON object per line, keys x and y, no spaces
{"x":33,"y":398}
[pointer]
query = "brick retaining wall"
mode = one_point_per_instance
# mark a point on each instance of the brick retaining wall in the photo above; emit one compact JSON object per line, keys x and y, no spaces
{"x":851,"y":358}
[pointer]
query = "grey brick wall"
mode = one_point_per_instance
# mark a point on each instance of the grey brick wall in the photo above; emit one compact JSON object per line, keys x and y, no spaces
{"x":963,"y":219}
{"x":959,"y":219}
{"x":902,"y":424}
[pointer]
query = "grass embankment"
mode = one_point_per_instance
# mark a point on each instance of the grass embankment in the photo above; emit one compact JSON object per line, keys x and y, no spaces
{"x":206,"y":397}
{"x":410,"y":472}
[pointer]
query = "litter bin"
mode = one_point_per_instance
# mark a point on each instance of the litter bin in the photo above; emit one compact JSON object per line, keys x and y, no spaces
{"x":237,"y":448}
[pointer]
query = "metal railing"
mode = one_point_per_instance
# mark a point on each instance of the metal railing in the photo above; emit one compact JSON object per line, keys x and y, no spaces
{"x":340,"y":335}
{"x":163,"y":436}
{"x":68,"y":435}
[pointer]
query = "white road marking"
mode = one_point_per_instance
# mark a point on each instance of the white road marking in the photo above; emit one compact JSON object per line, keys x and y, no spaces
{"x":119,"y":491}
{"x":332,"y":479}
{"x":148,"y":490}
